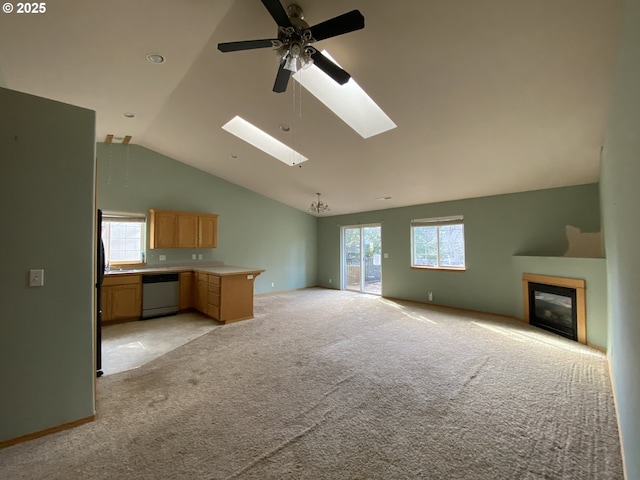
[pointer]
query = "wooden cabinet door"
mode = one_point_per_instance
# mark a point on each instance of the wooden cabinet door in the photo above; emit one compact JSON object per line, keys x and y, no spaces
{"x":236,"y":298}
{"x":164,"y":229}
{"x":184,"y":302}
{"x":208,"y":231}
{"x":202,"y":291}
{"x":106,"y":304}
{"x":126,"y":301}
{"x":187,"y":230}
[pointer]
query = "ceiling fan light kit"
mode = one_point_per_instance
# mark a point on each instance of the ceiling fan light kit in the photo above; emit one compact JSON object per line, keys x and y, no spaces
{"x":295,"y":36}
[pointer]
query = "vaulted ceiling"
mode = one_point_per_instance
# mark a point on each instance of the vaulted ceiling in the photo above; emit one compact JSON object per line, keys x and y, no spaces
{"x":489,"y":97}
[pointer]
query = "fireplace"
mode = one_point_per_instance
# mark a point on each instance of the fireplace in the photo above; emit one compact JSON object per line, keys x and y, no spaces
{"x":553,"y":308}
{"x":556,"y":304}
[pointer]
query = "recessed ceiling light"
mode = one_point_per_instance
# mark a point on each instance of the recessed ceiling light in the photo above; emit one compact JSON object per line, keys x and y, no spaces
{"x":155,"y":58}
{"x":234,"y":156}
{"x":251,"y":134}
{"x":284,"y":127}
{"x":383,"y":198}
{"x":129,"y":115}
{"x":349,"y":101}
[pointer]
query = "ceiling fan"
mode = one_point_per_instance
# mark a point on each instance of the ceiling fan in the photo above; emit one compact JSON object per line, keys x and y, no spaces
{"x":295,"y":37}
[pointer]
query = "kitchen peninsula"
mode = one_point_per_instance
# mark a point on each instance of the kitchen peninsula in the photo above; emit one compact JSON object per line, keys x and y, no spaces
{"x":222,"y":292}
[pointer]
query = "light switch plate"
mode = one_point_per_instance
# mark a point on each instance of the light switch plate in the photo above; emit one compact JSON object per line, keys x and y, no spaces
{"x":162,"y":258}
{"x":36,"y":278}
{"x":249,"y":277}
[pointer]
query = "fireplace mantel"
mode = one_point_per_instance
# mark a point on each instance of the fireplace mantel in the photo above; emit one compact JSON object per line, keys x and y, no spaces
{"x":577,"y":284}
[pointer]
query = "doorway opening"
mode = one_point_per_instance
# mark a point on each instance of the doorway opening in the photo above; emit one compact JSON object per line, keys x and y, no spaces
{"x":362,"y":258}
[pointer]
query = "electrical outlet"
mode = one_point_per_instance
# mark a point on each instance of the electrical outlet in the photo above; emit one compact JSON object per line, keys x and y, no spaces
{"x":431,"y":296}
{"x":162,"y":258}
{"x":193,"y":256}
{"x":329,"y":280}
{"x":273,"y":284}
{"x":200,"y":257}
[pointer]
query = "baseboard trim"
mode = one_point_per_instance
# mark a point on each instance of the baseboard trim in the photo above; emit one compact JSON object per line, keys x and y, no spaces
{"x":47,"y":431}
{"x":615,"y":404}
{"x":462,"y":309}
{"x":595,"y":347}
{"x":278,"y":292}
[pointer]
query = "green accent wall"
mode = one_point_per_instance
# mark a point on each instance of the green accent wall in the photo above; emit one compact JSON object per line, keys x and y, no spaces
{"x":47,"y":159}
{"x":253,"y":231}
{"x":620,"y":175}
{"x":497,"y":229}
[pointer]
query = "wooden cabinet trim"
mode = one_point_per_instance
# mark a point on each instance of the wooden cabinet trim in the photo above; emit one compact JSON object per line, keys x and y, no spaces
{"x":126,"y":279}
{"x":175,"y":229}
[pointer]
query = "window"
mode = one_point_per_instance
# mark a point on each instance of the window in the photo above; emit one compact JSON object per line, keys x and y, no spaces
{"x":438,"y":243}
{"x":123,"y":237}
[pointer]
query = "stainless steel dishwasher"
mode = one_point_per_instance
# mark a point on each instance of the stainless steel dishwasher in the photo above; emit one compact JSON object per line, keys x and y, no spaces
{"x":160,"y":293}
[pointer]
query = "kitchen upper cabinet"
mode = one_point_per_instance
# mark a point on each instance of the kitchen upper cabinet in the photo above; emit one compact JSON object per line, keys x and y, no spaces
{"x":163,"y":226}
{"x":171,"y":229}
{"x":187,"y":230}
{"x":208,"y":231}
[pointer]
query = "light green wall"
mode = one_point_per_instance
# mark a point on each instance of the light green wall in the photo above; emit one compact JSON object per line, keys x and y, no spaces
{"x":253,"y":231}
{"x":620,"y":176}
{"x":47,"y":165}
{"x":496,"y":229}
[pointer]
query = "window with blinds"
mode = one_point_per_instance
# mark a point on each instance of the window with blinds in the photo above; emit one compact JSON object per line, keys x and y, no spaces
{"x":123,"y":236}
{"x":438,"y":243}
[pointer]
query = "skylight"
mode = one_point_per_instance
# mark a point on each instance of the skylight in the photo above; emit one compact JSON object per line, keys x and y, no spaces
{"x":349,"y":101}
{"x":262,"y":140}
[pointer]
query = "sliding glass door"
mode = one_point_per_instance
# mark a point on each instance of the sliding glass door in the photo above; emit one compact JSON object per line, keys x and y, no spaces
{"x":361,"y":258}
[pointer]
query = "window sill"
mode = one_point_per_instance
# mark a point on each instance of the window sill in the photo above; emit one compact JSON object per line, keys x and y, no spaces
{"x":446,"y":269}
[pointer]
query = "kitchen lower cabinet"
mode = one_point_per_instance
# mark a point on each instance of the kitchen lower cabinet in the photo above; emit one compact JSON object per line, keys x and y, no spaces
{"x":106,"y":304}
{"x":230,"y":297}
{"x":226,"y":296}
{"x":201,"y":292}
{"x":185,"y":301}
{"x":121,"y":298}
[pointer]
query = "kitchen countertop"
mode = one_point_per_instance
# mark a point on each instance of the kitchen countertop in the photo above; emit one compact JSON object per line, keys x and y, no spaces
{"x":214,"y":269}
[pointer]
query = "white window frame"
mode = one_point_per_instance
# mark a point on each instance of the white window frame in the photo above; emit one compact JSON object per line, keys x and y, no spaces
{"x":120,"y":217}
{"x":437,"y":223}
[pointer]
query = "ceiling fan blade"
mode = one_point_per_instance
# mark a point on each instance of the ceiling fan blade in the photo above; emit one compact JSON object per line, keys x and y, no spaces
{"x":345,"y":23}
{"x":246,"y":45}
{"x":330,"y":68}
{"x":278,"y":12}
{"x":282,"y":79}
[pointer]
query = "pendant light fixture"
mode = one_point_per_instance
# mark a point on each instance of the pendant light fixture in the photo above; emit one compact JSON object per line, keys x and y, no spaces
{"x":319,"y":206}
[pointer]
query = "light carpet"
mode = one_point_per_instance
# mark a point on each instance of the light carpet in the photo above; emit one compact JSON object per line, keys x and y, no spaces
{"x":328,"y":384}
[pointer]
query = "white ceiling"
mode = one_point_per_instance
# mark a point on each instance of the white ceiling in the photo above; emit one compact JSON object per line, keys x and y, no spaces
{"x":490,"y":97}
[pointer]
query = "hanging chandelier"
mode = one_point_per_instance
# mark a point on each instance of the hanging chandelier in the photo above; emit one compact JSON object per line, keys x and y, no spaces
{"x":319,"y":206}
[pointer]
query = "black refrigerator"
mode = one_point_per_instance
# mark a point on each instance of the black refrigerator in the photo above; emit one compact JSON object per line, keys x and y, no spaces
{"x":99,"y":278}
